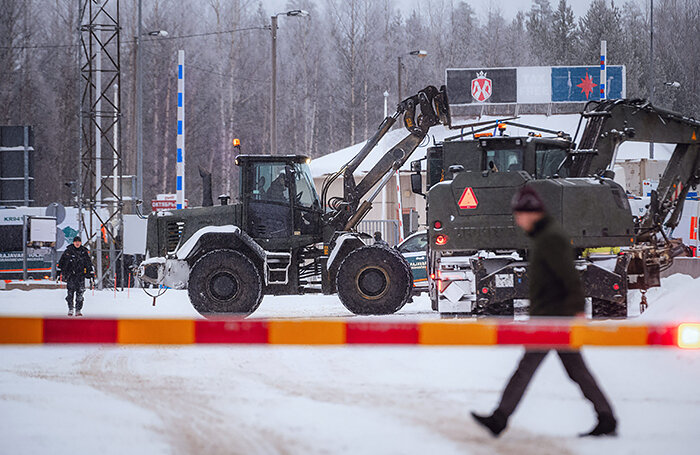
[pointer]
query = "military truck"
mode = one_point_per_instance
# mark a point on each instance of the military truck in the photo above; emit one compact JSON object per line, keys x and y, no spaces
{"x":282,"y":238}
{"x":478,"y":257}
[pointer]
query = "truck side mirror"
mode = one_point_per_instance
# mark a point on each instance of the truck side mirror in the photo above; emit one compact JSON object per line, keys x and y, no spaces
{"x":415,"y":166}
{"x":417,"y":183}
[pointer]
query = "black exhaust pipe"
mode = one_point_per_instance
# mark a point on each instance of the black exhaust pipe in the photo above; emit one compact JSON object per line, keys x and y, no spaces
{"x":207,"y":200}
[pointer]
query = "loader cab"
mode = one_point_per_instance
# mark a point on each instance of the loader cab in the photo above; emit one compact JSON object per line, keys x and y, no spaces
{"x":280,"y":206}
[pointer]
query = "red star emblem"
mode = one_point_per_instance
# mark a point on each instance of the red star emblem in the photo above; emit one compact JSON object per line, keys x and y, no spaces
{"x":587,"y":85}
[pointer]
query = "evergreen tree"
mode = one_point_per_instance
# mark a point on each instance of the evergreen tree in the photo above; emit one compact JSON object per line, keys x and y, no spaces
{"x":564,"y":35}
{"x":600,"y":23}
{"x":539,"y":27}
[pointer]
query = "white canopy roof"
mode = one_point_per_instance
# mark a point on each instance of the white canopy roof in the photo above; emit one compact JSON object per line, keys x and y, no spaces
{"x":333,"y":161}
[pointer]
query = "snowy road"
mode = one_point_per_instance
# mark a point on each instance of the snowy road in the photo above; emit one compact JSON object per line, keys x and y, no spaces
{"x":294,"y":400}
{"x":327,"y":400}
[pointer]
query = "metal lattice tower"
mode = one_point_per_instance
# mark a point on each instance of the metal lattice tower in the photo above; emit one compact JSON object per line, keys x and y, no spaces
{"x":100,"y":170}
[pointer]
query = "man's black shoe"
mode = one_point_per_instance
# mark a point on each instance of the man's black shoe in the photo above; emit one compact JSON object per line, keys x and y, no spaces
{"x":607,"y":426}
{"x":496,"y":422}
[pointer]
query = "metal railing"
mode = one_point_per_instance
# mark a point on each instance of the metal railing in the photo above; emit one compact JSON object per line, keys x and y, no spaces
{"x":388,"y":228}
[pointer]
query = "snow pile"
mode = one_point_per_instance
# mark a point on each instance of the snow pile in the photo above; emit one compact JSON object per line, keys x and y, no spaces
{"x":677,"y":300}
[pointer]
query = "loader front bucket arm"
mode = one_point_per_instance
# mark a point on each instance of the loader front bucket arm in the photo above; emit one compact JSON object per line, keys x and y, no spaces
{"x":433,"y":111}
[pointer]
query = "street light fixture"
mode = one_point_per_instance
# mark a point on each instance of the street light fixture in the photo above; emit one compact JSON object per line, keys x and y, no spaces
{"x":295,"y":13}
{"x":417,"y":53}
{"x":273,"y":94}
{"x":158,"y":33}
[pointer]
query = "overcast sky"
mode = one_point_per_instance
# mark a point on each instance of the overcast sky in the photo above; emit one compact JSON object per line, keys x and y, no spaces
{"x":509,"y":8}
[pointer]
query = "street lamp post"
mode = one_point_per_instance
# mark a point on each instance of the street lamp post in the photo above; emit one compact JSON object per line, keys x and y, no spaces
{"x":139,"y":110}
{"x":273,"y":89}
{"x":419,"y":53}
{"x":139,"y":100}
{"x":651,"y":67}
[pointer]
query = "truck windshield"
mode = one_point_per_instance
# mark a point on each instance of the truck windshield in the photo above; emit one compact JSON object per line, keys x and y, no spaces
{"x":306,"y":192}
{"x":505,"y":160}
{"x":548,"y":162}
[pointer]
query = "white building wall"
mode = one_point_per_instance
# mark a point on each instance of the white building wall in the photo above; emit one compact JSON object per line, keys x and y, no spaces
{"x":409,"y":200}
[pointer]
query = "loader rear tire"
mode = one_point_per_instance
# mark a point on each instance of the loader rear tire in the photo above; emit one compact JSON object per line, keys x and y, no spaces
{"x":224,"y":282}
{"x":374,"y":280}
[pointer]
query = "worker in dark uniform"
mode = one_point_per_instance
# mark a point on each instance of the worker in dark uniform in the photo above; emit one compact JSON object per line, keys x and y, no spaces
{"x":75,"y":265}
{"x":555,"y":290}
{"x":278,"y":189}
{"x":378,"y":239}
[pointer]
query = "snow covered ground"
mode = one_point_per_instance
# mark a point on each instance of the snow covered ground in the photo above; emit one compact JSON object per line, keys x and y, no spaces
{"x":328,"y":400}
{"x":676,"y":300}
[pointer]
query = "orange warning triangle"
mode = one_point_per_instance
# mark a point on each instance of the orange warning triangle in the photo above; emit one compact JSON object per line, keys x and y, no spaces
{"x":468,"y":199}
{"x":694,"y":137}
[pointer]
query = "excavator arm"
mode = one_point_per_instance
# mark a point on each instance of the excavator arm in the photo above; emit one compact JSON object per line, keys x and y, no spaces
{"x":612,"y":122}
{"x":420,"y":112}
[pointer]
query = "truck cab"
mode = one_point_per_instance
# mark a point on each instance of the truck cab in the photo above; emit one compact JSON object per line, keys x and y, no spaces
{"x":540,"y":157}
{"x":478,"y":257}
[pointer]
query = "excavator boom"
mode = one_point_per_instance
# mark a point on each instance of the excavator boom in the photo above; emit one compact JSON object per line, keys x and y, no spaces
{"x":612,"y":122}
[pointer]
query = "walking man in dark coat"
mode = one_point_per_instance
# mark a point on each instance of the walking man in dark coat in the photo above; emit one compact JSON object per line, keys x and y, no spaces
{"x":555,"y":290}
{"x":75,"y":265}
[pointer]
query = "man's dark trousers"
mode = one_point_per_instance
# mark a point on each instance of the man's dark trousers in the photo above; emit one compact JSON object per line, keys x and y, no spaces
{"x":575,"y":367}
{"x":75,"y":287}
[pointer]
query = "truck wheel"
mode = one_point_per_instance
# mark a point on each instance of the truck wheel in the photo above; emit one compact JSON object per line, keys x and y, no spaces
{"x":604,"y":309}
{"x":504,"y":308}
{"x":224,"y":282}
{"x":374,"y":280}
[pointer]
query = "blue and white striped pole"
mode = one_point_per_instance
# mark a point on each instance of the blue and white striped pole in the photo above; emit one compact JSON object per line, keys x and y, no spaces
{"x":603,"y":69}
{"x":180,"y":187}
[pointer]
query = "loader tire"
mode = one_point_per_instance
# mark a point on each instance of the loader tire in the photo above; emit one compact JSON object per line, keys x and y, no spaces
{"x":606,"y":309}
{"x":374,"y":280}
{"x":224,"y":282}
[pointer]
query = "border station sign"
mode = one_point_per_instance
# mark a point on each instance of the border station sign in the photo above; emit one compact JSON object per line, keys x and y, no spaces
{"x":532,"y":84}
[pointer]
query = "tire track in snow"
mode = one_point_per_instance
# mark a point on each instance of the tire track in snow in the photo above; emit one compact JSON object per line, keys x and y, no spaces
{"x":190,"y":418}
{"x":437,"y":412}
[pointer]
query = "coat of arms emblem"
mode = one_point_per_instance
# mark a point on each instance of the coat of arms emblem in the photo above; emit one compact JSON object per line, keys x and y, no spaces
{"x":481,"y":87}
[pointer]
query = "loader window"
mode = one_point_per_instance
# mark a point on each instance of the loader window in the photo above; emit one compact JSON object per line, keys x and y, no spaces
{"x":270,"y":182}
{"x":548,"y":161}
{"x":306,"y":193}
{"x":506,"y":160}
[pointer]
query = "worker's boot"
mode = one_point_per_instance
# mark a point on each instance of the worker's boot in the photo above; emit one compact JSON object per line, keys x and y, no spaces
{"x":496,"y":422}
{"x":607,"y":426}
{"x":70,"y":311}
